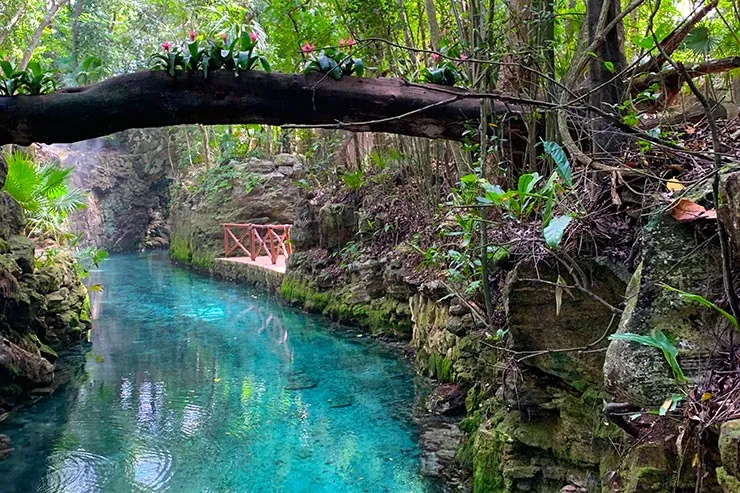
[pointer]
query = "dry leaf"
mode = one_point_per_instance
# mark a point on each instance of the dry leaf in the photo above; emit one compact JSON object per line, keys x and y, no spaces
{"x":706,"y":396}
{"x":674,"y":185}
{"x":690,"y":130}
{"x":687,"y":210}
{"x":559,"y":295}
{"x":666,"y":406}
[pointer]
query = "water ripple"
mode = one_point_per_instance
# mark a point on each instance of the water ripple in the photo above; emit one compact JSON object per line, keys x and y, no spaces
{"x":149,"y":467}
{"x":75,"y":470}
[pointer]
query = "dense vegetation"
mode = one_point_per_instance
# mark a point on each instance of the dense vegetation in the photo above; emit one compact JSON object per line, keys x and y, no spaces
{"x":613,"y":120}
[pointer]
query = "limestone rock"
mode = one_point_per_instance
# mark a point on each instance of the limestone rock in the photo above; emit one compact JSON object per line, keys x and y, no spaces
{"x":639,"y":374}
{"x":729,"y":447}
{"x":21,"y":250}
{"x":446,"y":399}
{"x":535,"y":324}
{"x":12,"y":220}
{"x":337,"y":225}
{"x":26,"y":369}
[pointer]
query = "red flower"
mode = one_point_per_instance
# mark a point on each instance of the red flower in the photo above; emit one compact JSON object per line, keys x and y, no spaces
{"x":254,"y":37}
{"x":192,"y":35}
{"x":351,"y":42}
{"x":167,"y":46}
{"x":224,"y":37}
{"x":307,"y":48}
{"x":435,"y":57}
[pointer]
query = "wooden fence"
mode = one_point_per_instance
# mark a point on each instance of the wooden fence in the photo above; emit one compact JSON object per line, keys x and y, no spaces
{"x":253,"y":239}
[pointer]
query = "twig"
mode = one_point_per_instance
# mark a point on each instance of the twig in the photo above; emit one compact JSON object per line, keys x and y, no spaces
{"x":341,"y":125}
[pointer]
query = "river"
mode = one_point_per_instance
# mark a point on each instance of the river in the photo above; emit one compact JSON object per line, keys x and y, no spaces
{"x":197,"y":385}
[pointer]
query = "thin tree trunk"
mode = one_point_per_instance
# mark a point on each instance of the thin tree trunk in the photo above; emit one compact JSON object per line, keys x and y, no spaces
{"x":50,"y":14}
{"x":435,"y":35}
{"x":12,"y":22}
{"x":406,"y":30}
{"x":76,"y":13}
{"x":206,"y":153}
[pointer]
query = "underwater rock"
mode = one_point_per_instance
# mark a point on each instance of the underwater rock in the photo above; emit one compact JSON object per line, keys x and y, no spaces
{"x":5,"y":447}
{"x":341,"y":401}
{"x":301,"y":381}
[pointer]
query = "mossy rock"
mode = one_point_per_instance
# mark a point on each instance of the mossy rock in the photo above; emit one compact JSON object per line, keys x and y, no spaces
{"x":729,"y":447}
{"x":640,"y":374}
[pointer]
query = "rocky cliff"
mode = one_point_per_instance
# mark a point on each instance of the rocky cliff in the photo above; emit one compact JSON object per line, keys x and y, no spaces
{"x":249,"y":191}
{"x":128,"y":175}
{"x":43,"y":308}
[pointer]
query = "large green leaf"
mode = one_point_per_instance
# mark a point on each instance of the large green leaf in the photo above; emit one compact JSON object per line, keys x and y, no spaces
{"x":554,"y":231}
{"x":696,"y":298}
{"x":562,"y":166}
{"x":658,"y":340}
{"x":22,"y":178}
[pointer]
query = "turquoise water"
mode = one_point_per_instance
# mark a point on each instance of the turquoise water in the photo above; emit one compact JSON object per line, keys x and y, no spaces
{"x":194,"y":385}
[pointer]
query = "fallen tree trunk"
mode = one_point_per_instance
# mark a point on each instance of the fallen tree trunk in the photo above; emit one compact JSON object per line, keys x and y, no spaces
{"x":154,"y":99}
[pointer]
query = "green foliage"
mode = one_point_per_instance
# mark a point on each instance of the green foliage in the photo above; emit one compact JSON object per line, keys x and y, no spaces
{"x":35,"y":80}
{"x":335,"y":63}
{"x":446,"y":74}
{"x":43,"y":192}
{"x":353,"y":180}
{"x":554,"y":231}
{"x":238,"y":53}
{"x":657,"y":340}
{"x":704,"y":302}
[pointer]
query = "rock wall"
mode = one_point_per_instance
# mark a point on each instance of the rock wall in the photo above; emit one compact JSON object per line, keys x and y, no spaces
{"x":43,"y":309}
{"x":251,"y":191}
{"x":128,"y":175}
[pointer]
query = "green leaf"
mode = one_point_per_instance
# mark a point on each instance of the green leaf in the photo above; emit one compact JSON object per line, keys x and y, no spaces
{"x":554,"y":231}
{"x":527,"y":182}
{"x":609,"y":66}
{"x":704,"y":302}
{"x":657,"y":340}
{"x":265,"y":64}
{"x":359,"y":67}
{"x":562,"y":166}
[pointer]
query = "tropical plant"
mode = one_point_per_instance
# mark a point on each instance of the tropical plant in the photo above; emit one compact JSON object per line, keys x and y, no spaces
{"x":34,"y":80}
{"x":656,"y":339}
{"x":43,"y":192}
{"x":334,"y":62}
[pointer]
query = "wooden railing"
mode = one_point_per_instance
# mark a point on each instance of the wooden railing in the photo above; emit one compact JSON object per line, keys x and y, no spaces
{"x":273,"y":239}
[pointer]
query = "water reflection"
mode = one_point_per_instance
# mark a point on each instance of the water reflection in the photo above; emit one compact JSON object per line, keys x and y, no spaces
{"x":197,"y":385}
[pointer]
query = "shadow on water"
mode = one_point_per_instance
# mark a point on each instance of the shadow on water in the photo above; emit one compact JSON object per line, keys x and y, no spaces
{"x":198,"y":385}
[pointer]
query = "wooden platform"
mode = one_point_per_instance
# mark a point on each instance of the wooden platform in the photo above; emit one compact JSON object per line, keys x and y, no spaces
{"x":262,"y":262}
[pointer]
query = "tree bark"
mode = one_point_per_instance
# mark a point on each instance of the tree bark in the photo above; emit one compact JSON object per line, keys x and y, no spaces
{"x":610,"y":58}
{"x":50,"y":14}
{"x":435,"y":34}
{"x":154,"y":99}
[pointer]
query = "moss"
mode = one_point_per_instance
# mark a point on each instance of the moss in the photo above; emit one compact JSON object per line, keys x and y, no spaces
{"x":85,"y":311}
{"x":182,"y":251}
{"x":383,"y":317}
{"x":487,"y":468}
{"x":12,"y":389}
{"x":47,"y":351}
{"x":729,"y":483}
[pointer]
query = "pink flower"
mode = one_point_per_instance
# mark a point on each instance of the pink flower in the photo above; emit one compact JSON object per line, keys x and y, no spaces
{"x":254,"y":37}
{"x":463,"y":56}
{"x":167,"y":46}
{"x":224,"y":37}
{"x":341,"y":43}
{"x":351,"y":42}
{"x":435,"y":57}
{"x":192,"y":35}
{"x":307,"y":48}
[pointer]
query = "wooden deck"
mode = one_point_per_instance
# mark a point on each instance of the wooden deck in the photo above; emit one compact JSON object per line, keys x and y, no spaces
{"x":261,"y":262}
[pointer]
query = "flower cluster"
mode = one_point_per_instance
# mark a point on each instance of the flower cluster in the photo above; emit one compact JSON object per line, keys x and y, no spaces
{"x":223,"y":52}
{"x":332,"y":61}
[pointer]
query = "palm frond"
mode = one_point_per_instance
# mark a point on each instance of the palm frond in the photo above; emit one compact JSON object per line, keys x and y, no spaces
{"x":22,"y":178}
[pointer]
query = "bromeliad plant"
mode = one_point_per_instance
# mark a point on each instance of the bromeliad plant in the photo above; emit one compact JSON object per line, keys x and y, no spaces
{"x":334,"y":62}
{"x":447,"y":72}
{"x":35,"y":80}
{"x":237,"y":53}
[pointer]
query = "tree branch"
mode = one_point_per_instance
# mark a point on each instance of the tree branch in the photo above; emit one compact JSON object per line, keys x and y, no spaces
{"x":154,"y":99}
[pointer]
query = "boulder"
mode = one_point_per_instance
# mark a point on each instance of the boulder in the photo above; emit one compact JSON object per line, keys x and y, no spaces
{"x":12,"y":220}
{"x":337,"y":225}
{"x":21,"y":250}
{"x":679,"y":255}
{"x":536,"y":325}
{"x":447,"y":399}
{"x":23,"y":368}
{"x":729,"y":447}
